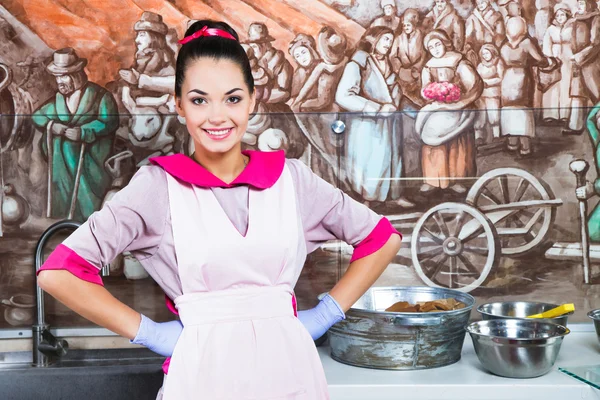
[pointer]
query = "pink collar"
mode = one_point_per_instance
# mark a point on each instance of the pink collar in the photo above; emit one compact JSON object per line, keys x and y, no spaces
{"x":262,"y":171}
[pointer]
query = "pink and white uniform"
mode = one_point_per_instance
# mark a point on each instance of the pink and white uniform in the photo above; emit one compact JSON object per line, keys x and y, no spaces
{"x":229,"y":255}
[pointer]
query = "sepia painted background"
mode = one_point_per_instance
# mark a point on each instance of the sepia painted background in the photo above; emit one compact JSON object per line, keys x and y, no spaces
{"x":480,"y":185}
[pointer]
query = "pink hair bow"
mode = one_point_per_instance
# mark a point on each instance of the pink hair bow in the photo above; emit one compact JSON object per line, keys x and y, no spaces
{"x":206,"y":31}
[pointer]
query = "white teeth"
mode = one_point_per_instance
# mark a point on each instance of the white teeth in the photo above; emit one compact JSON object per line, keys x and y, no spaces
{"x":219,"y":132}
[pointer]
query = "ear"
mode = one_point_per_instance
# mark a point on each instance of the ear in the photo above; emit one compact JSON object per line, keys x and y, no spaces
{"x":252,"y":100}
{"x":178,"y":107}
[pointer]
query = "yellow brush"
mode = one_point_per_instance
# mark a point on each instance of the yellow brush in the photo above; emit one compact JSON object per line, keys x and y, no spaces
{"x":555,"y":312}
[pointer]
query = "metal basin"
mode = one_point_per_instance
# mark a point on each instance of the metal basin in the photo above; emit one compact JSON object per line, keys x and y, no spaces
{"x":520,"y":310}
{"x":517,"y":348}
{"x":373,"y":338}
{"x":595,"y":316}
{"x":124,"y":374}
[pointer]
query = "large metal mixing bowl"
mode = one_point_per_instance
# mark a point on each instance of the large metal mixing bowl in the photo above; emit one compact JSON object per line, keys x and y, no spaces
{"x":517,"y":348}
{"x":520,"y":310}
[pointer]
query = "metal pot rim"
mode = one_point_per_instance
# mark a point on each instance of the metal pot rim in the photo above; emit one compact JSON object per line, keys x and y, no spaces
{"x":481,"y":311}
{"x":451,"y":292}
{"x":502,"y":339}
{"x":594,"y":314}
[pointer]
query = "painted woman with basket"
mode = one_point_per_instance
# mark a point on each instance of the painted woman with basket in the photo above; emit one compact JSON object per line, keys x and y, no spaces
{"x":450,"y":86}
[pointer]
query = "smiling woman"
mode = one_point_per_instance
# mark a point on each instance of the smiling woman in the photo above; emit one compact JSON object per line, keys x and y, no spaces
{"x":225,"y":234}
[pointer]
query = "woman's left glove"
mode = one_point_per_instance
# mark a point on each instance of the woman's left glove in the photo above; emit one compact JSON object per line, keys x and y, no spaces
{"x":161,"y":337}
{"x":319,"y":319}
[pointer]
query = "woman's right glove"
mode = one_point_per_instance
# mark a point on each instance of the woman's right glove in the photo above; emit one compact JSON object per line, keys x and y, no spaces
{"x":319,"y":319}
{"x":161,"y":337}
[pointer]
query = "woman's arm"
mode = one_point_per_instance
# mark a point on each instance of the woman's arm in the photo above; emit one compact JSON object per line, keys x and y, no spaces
{"x":91,"y":301}
{"x":133,"y":220}
{"x":362,"y":273}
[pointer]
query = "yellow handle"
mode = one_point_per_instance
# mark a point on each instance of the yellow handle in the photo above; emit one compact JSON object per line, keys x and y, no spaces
{"x":555,"y":312}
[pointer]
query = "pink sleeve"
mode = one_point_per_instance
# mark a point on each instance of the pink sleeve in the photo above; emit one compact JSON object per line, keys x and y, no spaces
{"x":65,"y":258}
{"x":133,"y":220}
{"x":376,"y":239}
{"x":328,"y":213}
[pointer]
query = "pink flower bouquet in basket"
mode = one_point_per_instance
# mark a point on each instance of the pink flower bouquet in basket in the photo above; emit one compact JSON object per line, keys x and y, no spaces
{"x":444,"y":92}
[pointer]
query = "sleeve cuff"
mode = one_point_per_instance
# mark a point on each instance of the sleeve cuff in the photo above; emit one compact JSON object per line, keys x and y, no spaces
{"x":63,"y":258}
{"x":375,"y":240}
{"x":171,"y":305}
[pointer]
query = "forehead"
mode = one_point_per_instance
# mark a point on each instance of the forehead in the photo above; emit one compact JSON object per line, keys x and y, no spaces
{"x":213,"y":76}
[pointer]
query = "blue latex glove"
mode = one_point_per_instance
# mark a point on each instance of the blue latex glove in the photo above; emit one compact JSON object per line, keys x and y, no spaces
{"x":161,"y":337}
{"x":319,"y":319}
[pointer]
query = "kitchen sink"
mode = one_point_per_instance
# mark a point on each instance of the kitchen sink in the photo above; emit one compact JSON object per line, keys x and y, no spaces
{"x":126,"y":374}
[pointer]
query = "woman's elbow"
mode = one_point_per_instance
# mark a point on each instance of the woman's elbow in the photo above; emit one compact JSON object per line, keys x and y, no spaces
{"x":394,"y":243}
{"x":49,"y":280}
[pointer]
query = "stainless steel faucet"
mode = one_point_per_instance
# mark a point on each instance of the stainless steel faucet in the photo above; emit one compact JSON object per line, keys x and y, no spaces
{"x":46,"y":347}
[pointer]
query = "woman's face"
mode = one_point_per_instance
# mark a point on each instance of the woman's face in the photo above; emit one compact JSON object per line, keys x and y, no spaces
{"x":388,"y":11}
{"x":436,"y":48}
{"x":582,"y":6}
{"x":486,"y":55}
{"x":384,"y":44}
{"x":482,"y":4}
{"x":302,"y":56}
{"x":408,"y":27}
{"x":143,"y":40}
{"x":440,"y":5}
{"x":561,"y":16}
{"x":215,"y":103}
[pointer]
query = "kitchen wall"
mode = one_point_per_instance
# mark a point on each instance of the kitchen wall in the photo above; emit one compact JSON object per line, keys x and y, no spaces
{"x":481,"y":189}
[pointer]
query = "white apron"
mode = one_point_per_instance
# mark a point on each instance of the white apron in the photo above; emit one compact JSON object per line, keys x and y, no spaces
{"x":241,"y":339}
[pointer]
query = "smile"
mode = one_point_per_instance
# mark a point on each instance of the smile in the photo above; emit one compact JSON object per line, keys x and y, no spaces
{"x":218,"y":134}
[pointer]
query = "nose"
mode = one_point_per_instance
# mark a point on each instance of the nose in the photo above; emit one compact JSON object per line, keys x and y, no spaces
{"x":217,"y":114}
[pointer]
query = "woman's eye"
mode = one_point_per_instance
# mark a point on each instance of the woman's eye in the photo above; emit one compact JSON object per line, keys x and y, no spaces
{"x":198,"y":101}
{"x":234,"y":99}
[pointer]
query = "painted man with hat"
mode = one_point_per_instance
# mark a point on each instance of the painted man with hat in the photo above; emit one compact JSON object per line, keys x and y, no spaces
{"x":274,"y":62}
{"x":389,"y":17}
{"x":80,"y":123}
{"x":154,"y":61}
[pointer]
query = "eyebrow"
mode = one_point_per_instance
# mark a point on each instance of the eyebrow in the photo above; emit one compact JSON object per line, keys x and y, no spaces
{"x":200,"y":92}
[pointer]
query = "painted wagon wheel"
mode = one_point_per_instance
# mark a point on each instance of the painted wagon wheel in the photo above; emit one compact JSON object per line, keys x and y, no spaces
{"x":455,"y":246}
{"x":524,"y":229}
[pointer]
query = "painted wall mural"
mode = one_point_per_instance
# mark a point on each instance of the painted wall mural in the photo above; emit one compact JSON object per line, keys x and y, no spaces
{"x":473,"y":125}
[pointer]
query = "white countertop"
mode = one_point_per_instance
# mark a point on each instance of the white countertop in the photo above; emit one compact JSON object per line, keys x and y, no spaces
{"x":466,"y":379}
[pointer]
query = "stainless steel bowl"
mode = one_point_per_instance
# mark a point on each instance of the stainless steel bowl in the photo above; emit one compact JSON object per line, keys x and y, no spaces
{"x":520,"y":310}
{"x":595,"y":316}
{"x":517,"y":348}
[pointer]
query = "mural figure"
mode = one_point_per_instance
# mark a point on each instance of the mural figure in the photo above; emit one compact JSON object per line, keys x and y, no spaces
{"x":520,"y":54}
{"x":593,"y":189}
{"x":373,"y":147}
{"x":444,"y":17}
{"x":148,"y":90}
{"x":491,"y":69}
{"x":544,"y":10}
{"x":285,"y":133}
{"x":408,"y":56}
{"x":556,"y":99}
{"x":585,"y":71}
{"x":274,"y":62}
{"x":390,"y":17}
{"x":448,"y":152}
{"x":314,"y":104}
{"x":484,"y":25}
{"x":79,"y":124}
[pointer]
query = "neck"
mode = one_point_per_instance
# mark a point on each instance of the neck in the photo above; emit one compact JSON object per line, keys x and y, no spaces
{"x":225,"y":166}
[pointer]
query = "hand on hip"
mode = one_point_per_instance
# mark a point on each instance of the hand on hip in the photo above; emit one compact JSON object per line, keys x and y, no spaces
{"x":161,"y":338}
{"x":319,"y":319}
